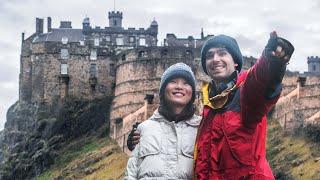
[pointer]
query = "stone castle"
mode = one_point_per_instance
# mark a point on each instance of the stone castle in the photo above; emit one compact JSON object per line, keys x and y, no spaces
{"x":127,"y":64}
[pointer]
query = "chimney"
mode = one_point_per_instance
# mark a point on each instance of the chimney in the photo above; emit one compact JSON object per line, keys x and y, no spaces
{"x":65,"y":24}
{"x":49,"y":24}
{"x":22,"y":40}
{"x":202,"y":35}
{"x":39,"y":25}
{"x":22,"y":36}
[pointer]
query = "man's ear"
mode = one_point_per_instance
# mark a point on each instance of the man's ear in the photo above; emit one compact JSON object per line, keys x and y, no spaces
{"x":236,"y":65}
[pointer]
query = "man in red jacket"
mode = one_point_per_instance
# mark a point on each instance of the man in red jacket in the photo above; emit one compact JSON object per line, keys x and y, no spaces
{"x":231,"y":140}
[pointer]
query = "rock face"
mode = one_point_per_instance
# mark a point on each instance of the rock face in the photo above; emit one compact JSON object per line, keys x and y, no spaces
{"x":33,"y":134}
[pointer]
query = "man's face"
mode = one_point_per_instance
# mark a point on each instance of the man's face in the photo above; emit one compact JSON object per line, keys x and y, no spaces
{"x":219,"y":64}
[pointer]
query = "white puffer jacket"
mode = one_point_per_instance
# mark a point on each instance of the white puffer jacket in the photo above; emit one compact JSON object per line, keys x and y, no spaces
{"x":165,"y":150}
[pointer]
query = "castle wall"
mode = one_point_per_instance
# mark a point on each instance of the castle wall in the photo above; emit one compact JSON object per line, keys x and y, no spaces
{"x":139,"y":73}
{"x":25,"y":79}
{"x":41,"y":79}
{"x":298,"y":103}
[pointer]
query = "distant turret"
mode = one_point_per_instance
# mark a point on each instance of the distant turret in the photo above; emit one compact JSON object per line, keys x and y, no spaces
{"x":86,"y":23}
{"x":154,"y":27}
{"x":115,"y":19}
{"x":314,"y":64}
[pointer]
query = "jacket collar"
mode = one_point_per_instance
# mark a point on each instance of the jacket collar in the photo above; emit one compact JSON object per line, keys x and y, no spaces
{"x":220,"y":99}
{"x":193,"y":121}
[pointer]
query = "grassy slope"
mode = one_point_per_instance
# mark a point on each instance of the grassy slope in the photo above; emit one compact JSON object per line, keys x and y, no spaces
{"x":292,"y":157}
{"x":88,"y":158}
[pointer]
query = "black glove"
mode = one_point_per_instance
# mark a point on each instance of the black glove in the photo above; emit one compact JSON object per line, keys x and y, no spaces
{"x":279,"y":48}
{"x":130,"y":144}
{"x":278,"y":52}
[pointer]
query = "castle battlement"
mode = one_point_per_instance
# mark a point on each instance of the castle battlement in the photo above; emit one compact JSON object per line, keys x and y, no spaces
{"x":115,"y":14}
{"x":313,"y":59}
{"x":145,"y":53}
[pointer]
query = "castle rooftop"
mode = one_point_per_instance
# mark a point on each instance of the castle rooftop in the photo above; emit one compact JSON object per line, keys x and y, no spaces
{"x":56,"y":35}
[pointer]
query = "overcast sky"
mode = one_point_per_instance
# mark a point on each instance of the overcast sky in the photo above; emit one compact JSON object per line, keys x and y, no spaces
{"x":249,"y":21}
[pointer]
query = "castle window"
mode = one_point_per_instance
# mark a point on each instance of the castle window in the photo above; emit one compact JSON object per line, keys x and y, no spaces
{"x":81,"y":43}
{"x":164,"y":52}
{"x":131,"y":39}
{"x":141,"y":54}
{"x":64,"y":69}
{"x":64,"y":53}
{"x":112,"y":70}
{"x":64,"y":40}
{"x":103,"y":42}
{"x":189,"y":53}
{"x":142,"y":41}
{"x":93,"y":70}
{"x":119,"y":120}
{"x":123,"y":57}
{"x":93,"y":55}
{"x":107,"y":38}
{"x":113,"y":86}
{"x":114,"y":22}
{"x":314,"y":68}
{"x":119,"y":41}
{"x":96,"y":41}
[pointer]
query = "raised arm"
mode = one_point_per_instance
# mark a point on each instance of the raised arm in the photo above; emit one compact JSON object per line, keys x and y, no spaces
{"x":262,"y":86}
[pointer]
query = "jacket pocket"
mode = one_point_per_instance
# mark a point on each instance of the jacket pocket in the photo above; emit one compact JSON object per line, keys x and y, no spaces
{"x":239,"y":139}
{"x":149,"y":145}
{"x":188,"y":140}
{"x":150,"y":161}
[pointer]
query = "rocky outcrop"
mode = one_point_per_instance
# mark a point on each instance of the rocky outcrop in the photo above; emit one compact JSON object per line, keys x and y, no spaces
{"x":34,"y":133}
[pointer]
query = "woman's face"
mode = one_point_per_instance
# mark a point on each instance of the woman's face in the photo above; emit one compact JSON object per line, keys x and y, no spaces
{"x":178,"y":92}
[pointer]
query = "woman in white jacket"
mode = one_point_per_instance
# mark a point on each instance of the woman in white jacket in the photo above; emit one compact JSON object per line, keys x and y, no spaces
{"x":167,"y":138}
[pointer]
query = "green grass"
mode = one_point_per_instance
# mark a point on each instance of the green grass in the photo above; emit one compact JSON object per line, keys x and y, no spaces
{"x":291,"y":157}
{"x":71,"y":152}
{"x":45,"y":176}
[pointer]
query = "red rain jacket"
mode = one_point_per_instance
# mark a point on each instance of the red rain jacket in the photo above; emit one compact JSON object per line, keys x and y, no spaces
{"x":231,"y":141}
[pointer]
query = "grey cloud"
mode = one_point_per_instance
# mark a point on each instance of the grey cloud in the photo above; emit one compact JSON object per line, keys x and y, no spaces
{"x":8,"y":96}
{"x":8,"y":74}
{"x":8,"y":47}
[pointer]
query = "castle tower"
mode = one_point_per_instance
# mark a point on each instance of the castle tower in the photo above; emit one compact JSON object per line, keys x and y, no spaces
{"x":154,"y":27}
{"x":86,"y":24}
{"x":115,"y":19}
{"x":313,"y":64}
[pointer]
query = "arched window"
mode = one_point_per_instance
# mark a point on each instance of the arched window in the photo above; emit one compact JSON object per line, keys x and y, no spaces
{"x":141,"y":54}
{"x":189,"y":54}
{"x":93,"y":70}
{"x":164,"y":52}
